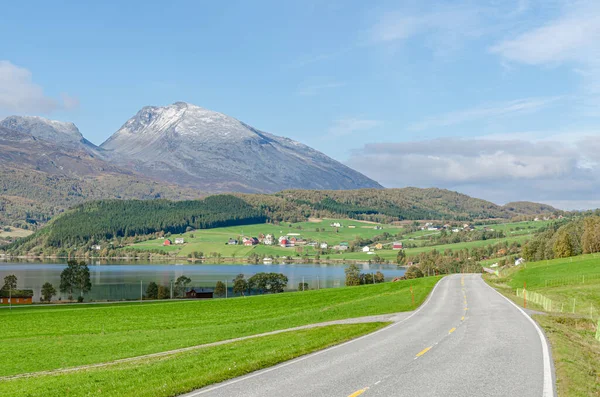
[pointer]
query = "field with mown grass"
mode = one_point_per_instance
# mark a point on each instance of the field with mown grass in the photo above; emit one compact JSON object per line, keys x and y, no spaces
{"x":183,"y":372}
{"x":573,"y":285}
{"x":214,"y":240}
{"x":45,"y":338}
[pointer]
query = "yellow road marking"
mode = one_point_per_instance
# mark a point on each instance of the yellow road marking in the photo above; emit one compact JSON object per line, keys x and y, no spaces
{"x":423,"y":351}
{"x":462,"y":318}
{"x":466,"y":308}
{"x":452,"y":330}
{"x":358,"y":392}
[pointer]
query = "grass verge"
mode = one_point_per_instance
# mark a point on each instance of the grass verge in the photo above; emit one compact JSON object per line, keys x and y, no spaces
{"x":37,"y":339}
{"x":184,"y":372}
{"x":575,"y":352}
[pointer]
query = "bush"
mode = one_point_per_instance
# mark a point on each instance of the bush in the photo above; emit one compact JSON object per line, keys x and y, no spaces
{"x":163,"y":292}
{"x":413,"y":272}
{"x":80,"y":299}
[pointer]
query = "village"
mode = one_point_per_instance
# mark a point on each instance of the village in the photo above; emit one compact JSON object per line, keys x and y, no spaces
{"x":297,"y":242}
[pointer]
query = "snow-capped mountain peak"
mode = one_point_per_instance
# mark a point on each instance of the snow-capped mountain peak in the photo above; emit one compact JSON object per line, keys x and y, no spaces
{"x":45,"y":129}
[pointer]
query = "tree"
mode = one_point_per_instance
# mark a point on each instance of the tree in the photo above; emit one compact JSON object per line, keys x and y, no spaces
{"x":401,"y":258}
{"x":302,"y":286}
{"x":352,"y":275}
{"x":48,"y":291}
{"x":220,"y":289}
{"x":152,"y":290}
{"x":268,"y":282}
{"x":413,"y":272}
{"x":75,"y":277}
{"x":10,"y":282}
{"x":180,"y":285}
{"x":240,"y":285}
{"x":163,"y":292}
{"x":379,"y":277}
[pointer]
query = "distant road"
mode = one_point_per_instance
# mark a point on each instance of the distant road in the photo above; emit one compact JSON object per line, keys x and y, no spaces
{"x":466,"y":340}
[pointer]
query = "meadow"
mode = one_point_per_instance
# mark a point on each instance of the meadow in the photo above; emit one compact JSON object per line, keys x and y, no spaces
{"x":183,"y":372}
{"x":67,"y":336}
{"x":212,"y":242}
{"x":573,"y":285}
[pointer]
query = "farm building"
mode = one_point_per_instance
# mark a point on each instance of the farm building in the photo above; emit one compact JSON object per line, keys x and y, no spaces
{"x":397,"y":245}
{"x":366,"y":248}
{"x":232,"y":241}
{"x":324,"y":246}
{"x":16,"y":297}
{"x":268,"y":240}
{"x":378,"y":246}
{"x":167,"y":242}
{"x":179,"y":240}
{"x":193,"y":294}
{"x":250,"y":241}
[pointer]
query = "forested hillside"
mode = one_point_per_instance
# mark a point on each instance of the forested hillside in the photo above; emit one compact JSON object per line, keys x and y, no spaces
{"x":562,"y":240}
{"x":109,"y":219}
{"x":385,"y":205}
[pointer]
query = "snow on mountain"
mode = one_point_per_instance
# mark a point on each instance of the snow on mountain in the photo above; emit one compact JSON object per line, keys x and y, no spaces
{"x":41,"y":128}
{"x":209,"y":150}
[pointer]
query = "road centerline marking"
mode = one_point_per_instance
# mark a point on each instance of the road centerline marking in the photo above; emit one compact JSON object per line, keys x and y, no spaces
{"x":452,"y":330}
{"x":358,"y":392}
{"x":423,"y":351}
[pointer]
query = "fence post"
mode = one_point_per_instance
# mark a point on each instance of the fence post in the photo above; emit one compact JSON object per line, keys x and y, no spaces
{"x":141,"y":292}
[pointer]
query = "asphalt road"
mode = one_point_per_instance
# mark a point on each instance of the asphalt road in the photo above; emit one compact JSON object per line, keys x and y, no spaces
{"x":465,"y":340}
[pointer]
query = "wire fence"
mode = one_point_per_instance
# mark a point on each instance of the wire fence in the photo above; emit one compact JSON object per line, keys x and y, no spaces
{"x":573,"y":280}
{"x":551,"y":305}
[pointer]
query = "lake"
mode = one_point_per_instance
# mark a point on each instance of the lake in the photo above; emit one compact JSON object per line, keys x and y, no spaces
{"x":118,"y":281}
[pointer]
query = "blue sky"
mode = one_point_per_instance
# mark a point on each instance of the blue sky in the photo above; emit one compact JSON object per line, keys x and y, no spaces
{"x":498,"y":99}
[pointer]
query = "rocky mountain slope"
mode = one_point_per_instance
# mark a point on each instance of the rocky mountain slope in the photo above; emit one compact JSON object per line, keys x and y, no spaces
{"x":196,"y":147}
{"x":41,"y":178}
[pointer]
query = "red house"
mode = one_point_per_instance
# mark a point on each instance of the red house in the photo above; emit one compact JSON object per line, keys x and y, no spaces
{"x":193,"y":294}
{"x":397,"y":245}
{"x":16,"y":297}
{"x":167,"y":242}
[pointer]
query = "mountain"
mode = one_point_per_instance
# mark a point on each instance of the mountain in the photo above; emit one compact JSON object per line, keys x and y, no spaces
{"x":196,"y":147}
{"x":47,"y":167}
{"x":56,"y":132}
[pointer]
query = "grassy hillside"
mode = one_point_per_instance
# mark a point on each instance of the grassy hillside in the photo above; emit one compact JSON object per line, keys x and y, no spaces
{"x":571,"y":287}
{"x":66,"y":336}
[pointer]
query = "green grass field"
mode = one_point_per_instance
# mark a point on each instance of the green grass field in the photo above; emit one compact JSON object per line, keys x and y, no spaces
{"x":214,"y":240}
{"x":183,"y":372}
{"x":66,"y":336}
{"x":573,"y":284}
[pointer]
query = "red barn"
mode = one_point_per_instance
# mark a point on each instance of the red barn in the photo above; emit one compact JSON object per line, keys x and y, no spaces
{"x":167,"y":242}
{"x":397,"y":245}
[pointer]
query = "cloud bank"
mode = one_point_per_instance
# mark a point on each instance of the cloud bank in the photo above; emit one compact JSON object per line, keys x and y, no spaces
{"x":500,"y":170}
{"x":19,"y":94}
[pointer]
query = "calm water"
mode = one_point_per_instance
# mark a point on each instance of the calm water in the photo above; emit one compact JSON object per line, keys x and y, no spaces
{"x":122,"y":281}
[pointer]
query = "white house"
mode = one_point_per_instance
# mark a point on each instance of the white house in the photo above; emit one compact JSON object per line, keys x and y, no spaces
{"x":366,"y":248}
{"x":324,"y":246}
{"x":96,"y":247}
{"x":268,"y":240}
{"x":519,"y":261}
{"x":336,"y":224}
{"x":179,"y":240}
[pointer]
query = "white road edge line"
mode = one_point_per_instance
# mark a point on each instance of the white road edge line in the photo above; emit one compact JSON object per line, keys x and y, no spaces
{"x":294,"y":361}
{"x":548,"y":386}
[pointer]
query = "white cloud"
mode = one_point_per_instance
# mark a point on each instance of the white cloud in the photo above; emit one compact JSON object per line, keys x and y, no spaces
{"x":19,"y":94}
{"x":568,"y":38}
{"x":443,"y":28}
{"x":519,"y":106}
{"x":349,"y":126}
{"x":499,"y":170}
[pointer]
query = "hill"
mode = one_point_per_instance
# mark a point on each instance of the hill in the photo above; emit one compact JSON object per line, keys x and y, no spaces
{"x":108,"y":219}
